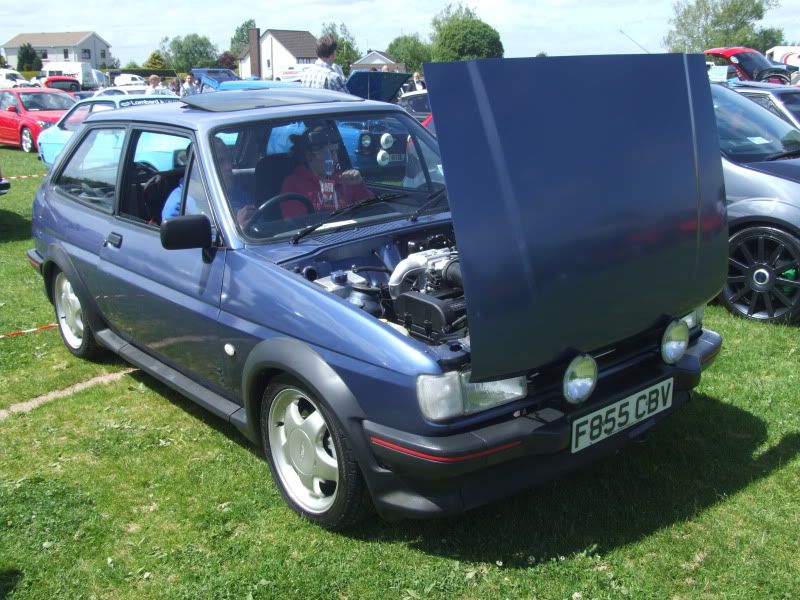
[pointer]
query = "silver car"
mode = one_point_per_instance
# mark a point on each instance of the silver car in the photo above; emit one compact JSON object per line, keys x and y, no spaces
{"x":761,"y":166}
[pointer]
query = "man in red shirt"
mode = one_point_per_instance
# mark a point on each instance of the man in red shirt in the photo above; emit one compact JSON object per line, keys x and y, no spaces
{"x":317,"y":175}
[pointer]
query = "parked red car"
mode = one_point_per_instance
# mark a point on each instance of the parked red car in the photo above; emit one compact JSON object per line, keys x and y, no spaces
{"x":750,"y":64}
{"x":25,"y":112}
{"x":70,"y":85}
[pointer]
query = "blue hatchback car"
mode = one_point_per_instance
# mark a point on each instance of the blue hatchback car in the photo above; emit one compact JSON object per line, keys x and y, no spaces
{"x":390,"y":341}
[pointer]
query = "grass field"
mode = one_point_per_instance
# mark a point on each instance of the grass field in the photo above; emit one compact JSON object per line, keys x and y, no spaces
{"x":128,"y":490}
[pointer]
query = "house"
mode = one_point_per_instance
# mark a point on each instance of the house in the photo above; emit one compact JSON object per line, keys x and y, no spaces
{"x":78,"y":46}
{"x":283,"y":54}
{"x":377,"y":59}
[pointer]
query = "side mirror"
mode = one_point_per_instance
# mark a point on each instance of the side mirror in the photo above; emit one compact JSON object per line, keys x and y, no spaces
{"x":188,"y":231}
{"x":11,"y":109}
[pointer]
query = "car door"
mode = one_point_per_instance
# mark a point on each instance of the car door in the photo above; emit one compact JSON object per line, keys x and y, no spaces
{"x":9,"y":119}
{"x":164,"y":301}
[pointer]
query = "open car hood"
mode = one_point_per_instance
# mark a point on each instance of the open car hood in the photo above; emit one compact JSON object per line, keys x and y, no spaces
{"x":587,"y":209}
{"x":376,"y":85}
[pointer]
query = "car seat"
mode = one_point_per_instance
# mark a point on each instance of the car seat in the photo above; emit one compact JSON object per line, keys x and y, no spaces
{"x":270,"y":174}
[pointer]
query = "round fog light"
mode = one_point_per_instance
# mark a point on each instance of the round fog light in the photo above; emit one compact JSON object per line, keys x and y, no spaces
{"x":387,"y":139}
{"x":580,"y":379}
{"x":674,"y":342}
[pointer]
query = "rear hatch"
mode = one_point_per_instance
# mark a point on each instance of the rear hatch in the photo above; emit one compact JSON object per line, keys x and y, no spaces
{"x":588,"y":202}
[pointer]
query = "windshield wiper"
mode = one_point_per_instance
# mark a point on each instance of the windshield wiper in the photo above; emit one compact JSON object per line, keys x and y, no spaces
{"x":431,"y":200}
{"x":786,"y":154}
{"x":345,"y":209}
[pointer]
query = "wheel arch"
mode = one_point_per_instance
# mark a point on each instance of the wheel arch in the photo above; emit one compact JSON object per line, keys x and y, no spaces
{"x":279,"y":356}
{"x":745,"y":222}
{"x":57,"y":259}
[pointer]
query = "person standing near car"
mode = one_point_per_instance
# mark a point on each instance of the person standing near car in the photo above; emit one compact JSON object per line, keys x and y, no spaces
{"x":153,"y":85}
{"x":325,"y":73}
{"x":189,"y":87}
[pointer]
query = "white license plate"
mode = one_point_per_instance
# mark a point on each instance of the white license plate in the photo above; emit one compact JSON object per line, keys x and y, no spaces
{"x":605,"y":422}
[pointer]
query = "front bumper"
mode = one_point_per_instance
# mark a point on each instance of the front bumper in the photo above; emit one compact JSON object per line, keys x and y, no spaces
{"x":413,"y":475}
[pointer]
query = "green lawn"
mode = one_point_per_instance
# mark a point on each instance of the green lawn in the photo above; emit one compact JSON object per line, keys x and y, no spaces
{"x":131,"y":491}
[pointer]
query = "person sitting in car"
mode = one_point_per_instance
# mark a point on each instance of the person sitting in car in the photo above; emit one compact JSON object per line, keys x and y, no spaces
{"x":317,"y":175}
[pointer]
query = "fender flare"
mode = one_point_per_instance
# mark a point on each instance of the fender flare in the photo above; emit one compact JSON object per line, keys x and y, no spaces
{"x":281,"y":355}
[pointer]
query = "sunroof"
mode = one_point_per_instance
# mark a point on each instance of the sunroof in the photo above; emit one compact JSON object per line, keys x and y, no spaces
{"x":270,"y":98}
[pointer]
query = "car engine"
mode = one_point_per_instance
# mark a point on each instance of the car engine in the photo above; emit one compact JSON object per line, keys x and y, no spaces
{"x":423,"y":298}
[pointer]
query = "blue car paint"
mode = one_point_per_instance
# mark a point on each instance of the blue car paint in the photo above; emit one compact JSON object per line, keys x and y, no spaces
{"x":366,"y":370}
{"x":656,"y":176}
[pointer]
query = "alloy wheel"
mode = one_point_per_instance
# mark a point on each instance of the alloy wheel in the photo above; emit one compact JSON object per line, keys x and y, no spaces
{"x":26,"y":140}
{"x":763,"y":275}
{"x":69,"y":312}
{"x":303,"y":451}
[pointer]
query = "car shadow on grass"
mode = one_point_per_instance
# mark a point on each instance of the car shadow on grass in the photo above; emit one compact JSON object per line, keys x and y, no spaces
{"x":198,"y":412}
{"x":8,"y":581}
{"x":697,"y":458}
{"x":13,"y":227}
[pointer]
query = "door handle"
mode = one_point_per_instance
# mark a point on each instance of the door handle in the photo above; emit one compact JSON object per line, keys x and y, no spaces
{"x":113,"y":239}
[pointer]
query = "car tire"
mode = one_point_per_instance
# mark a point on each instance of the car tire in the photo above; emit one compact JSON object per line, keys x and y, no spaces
{"x":763,"y":281}
{"x":70,"y":318}
{"x":311,"y":460}
{"x":26,"y":140}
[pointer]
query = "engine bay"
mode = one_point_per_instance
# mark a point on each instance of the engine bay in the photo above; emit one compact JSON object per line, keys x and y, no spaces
{"x":411,"y":282}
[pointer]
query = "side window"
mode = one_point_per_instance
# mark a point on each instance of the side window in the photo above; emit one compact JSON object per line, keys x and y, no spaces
{"x":154,"y":176}
{"x":196,"y":198}
{"x":101,"y":106}
{"x":7,"y":100}
{"x":91,"y":172}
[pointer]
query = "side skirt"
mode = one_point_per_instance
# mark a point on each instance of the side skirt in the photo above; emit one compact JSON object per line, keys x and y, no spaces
{"x":211,"y":401}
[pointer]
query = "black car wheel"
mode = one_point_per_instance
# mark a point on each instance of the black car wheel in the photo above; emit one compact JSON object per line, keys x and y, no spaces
{"x":71,"y":319}
{"x":310,"y":457}
{"x":763,"y":275}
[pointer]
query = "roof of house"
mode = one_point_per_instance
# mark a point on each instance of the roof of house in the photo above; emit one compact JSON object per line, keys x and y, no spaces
{"x":376,"y":57}
{"x":300,"y":44}
{"x":50,"y":39}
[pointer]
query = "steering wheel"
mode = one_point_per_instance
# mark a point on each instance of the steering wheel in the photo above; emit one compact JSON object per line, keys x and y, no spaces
{"x":145,"y":168}
{"x":273,"y":204}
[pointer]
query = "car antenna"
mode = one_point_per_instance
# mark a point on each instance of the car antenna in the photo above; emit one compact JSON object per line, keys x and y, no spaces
{"x":634,"y":41}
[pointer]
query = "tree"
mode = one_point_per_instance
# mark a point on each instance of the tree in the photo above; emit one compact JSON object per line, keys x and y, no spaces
{"x":347,"y":52}
{"x":131,"y":64}
{"x":156,"y":60}
{"x":541,"y":54}
{"x":228,"y":60}
{"x":458,"y":34}
{"x":3,"y":63}
{"x":185,"y":53}
{"x":702,"y":24}
{"x":411,"y":51}
{"x":241,"y":37}
{"x":27,"y":59}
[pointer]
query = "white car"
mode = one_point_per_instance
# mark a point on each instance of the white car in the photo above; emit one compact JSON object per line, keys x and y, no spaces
{"x":119,"y":90}
{"x":129,"y":79}
{"x":9,"y":78}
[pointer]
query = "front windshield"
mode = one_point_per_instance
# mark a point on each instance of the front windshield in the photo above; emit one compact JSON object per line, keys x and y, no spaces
{"x":748,"y":132}
{"x":36,"y":101}
{"x":280,"y":177}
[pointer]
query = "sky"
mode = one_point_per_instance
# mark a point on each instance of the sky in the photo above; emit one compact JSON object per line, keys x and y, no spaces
{"x":558,"y":27}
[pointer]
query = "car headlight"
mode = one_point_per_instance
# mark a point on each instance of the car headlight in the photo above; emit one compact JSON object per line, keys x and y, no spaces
{"x":674,"y":342}
{"x":695,"y":318}
{"x":580,"y":379}
{"x":451,"y":395}
{"x":44,"y":124}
